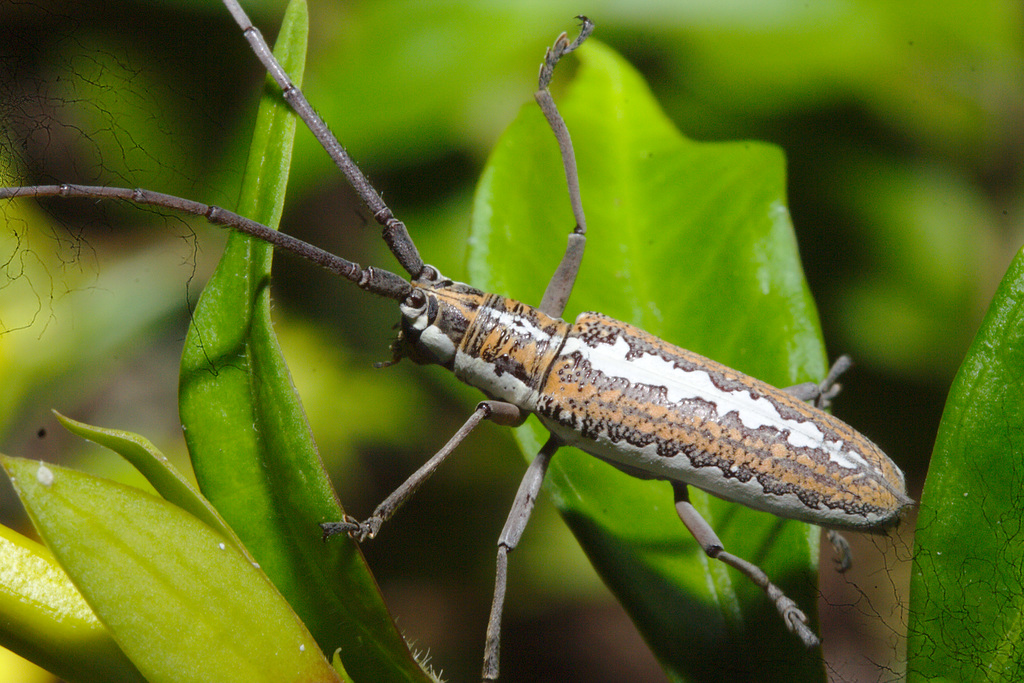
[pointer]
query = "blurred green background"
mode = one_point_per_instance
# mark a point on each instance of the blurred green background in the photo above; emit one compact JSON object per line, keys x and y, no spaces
{"x":903,"y":124}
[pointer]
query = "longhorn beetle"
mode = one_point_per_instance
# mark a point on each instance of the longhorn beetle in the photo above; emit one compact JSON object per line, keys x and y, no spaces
{"x":649,"y":408}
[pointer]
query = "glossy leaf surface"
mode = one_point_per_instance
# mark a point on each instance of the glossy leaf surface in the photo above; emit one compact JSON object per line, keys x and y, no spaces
{"x":966,"y":595}
{"x":179,"y":599}
{"x":46,"y":619}
{"x":159,"y":472}
{"x":248,"y":437}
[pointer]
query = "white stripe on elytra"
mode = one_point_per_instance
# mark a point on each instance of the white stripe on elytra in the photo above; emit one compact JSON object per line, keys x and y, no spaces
{"x":680,"y":385}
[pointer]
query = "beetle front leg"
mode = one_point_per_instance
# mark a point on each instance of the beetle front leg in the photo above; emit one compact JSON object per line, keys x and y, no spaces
{"x":498,"y":412}
{"x":795,"y":619}
{"x":560,"y":287}
{"x":518,"y":516}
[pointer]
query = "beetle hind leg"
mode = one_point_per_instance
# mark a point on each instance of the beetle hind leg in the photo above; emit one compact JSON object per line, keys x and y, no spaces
{"x":841,"y":547}
{"x":820,"y":394}
{"x":792,"y":615}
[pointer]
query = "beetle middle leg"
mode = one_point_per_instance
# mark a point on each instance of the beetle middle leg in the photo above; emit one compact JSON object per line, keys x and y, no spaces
{"x":518,"y":516}
{"x":796,"y":620}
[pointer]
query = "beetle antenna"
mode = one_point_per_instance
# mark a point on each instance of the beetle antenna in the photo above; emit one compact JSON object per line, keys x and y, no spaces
{"x":394,"y":231}
{"x":375,"y":280}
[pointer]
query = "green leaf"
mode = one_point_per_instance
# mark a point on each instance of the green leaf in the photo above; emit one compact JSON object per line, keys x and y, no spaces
{"x":46,"y":619}
{"x":247,"y":433}
{"x":180,"y":600}
{"x":693,"y":243}
{"x":966,"y":596}
{"x":157,"y":469}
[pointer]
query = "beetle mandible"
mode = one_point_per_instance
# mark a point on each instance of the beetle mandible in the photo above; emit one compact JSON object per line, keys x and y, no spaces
{"x":651,"y":409}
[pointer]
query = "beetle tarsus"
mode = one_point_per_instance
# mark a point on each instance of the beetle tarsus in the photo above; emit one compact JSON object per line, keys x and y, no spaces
{"x":844,"y":556}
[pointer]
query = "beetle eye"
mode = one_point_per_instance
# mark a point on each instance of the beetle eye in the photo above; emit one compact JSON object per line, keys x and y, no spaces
{"x":416,"y":299}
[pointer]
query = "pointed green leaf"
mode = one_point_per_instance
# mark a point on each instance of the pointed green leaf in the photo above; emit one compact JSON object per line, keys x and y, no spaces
{"x":46,"y":619}
{"x":693,"y":243}
{"x":156,"y":468}
{"x":247,"y":433}
{"x":966,"y":595}
{"x":179,"y":599}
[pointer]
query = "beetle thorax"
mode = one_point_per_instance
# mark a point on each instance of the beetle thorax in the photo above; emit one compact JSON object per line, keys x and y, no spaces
{"x":508,"y":350}
{"x":498,"y":345}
